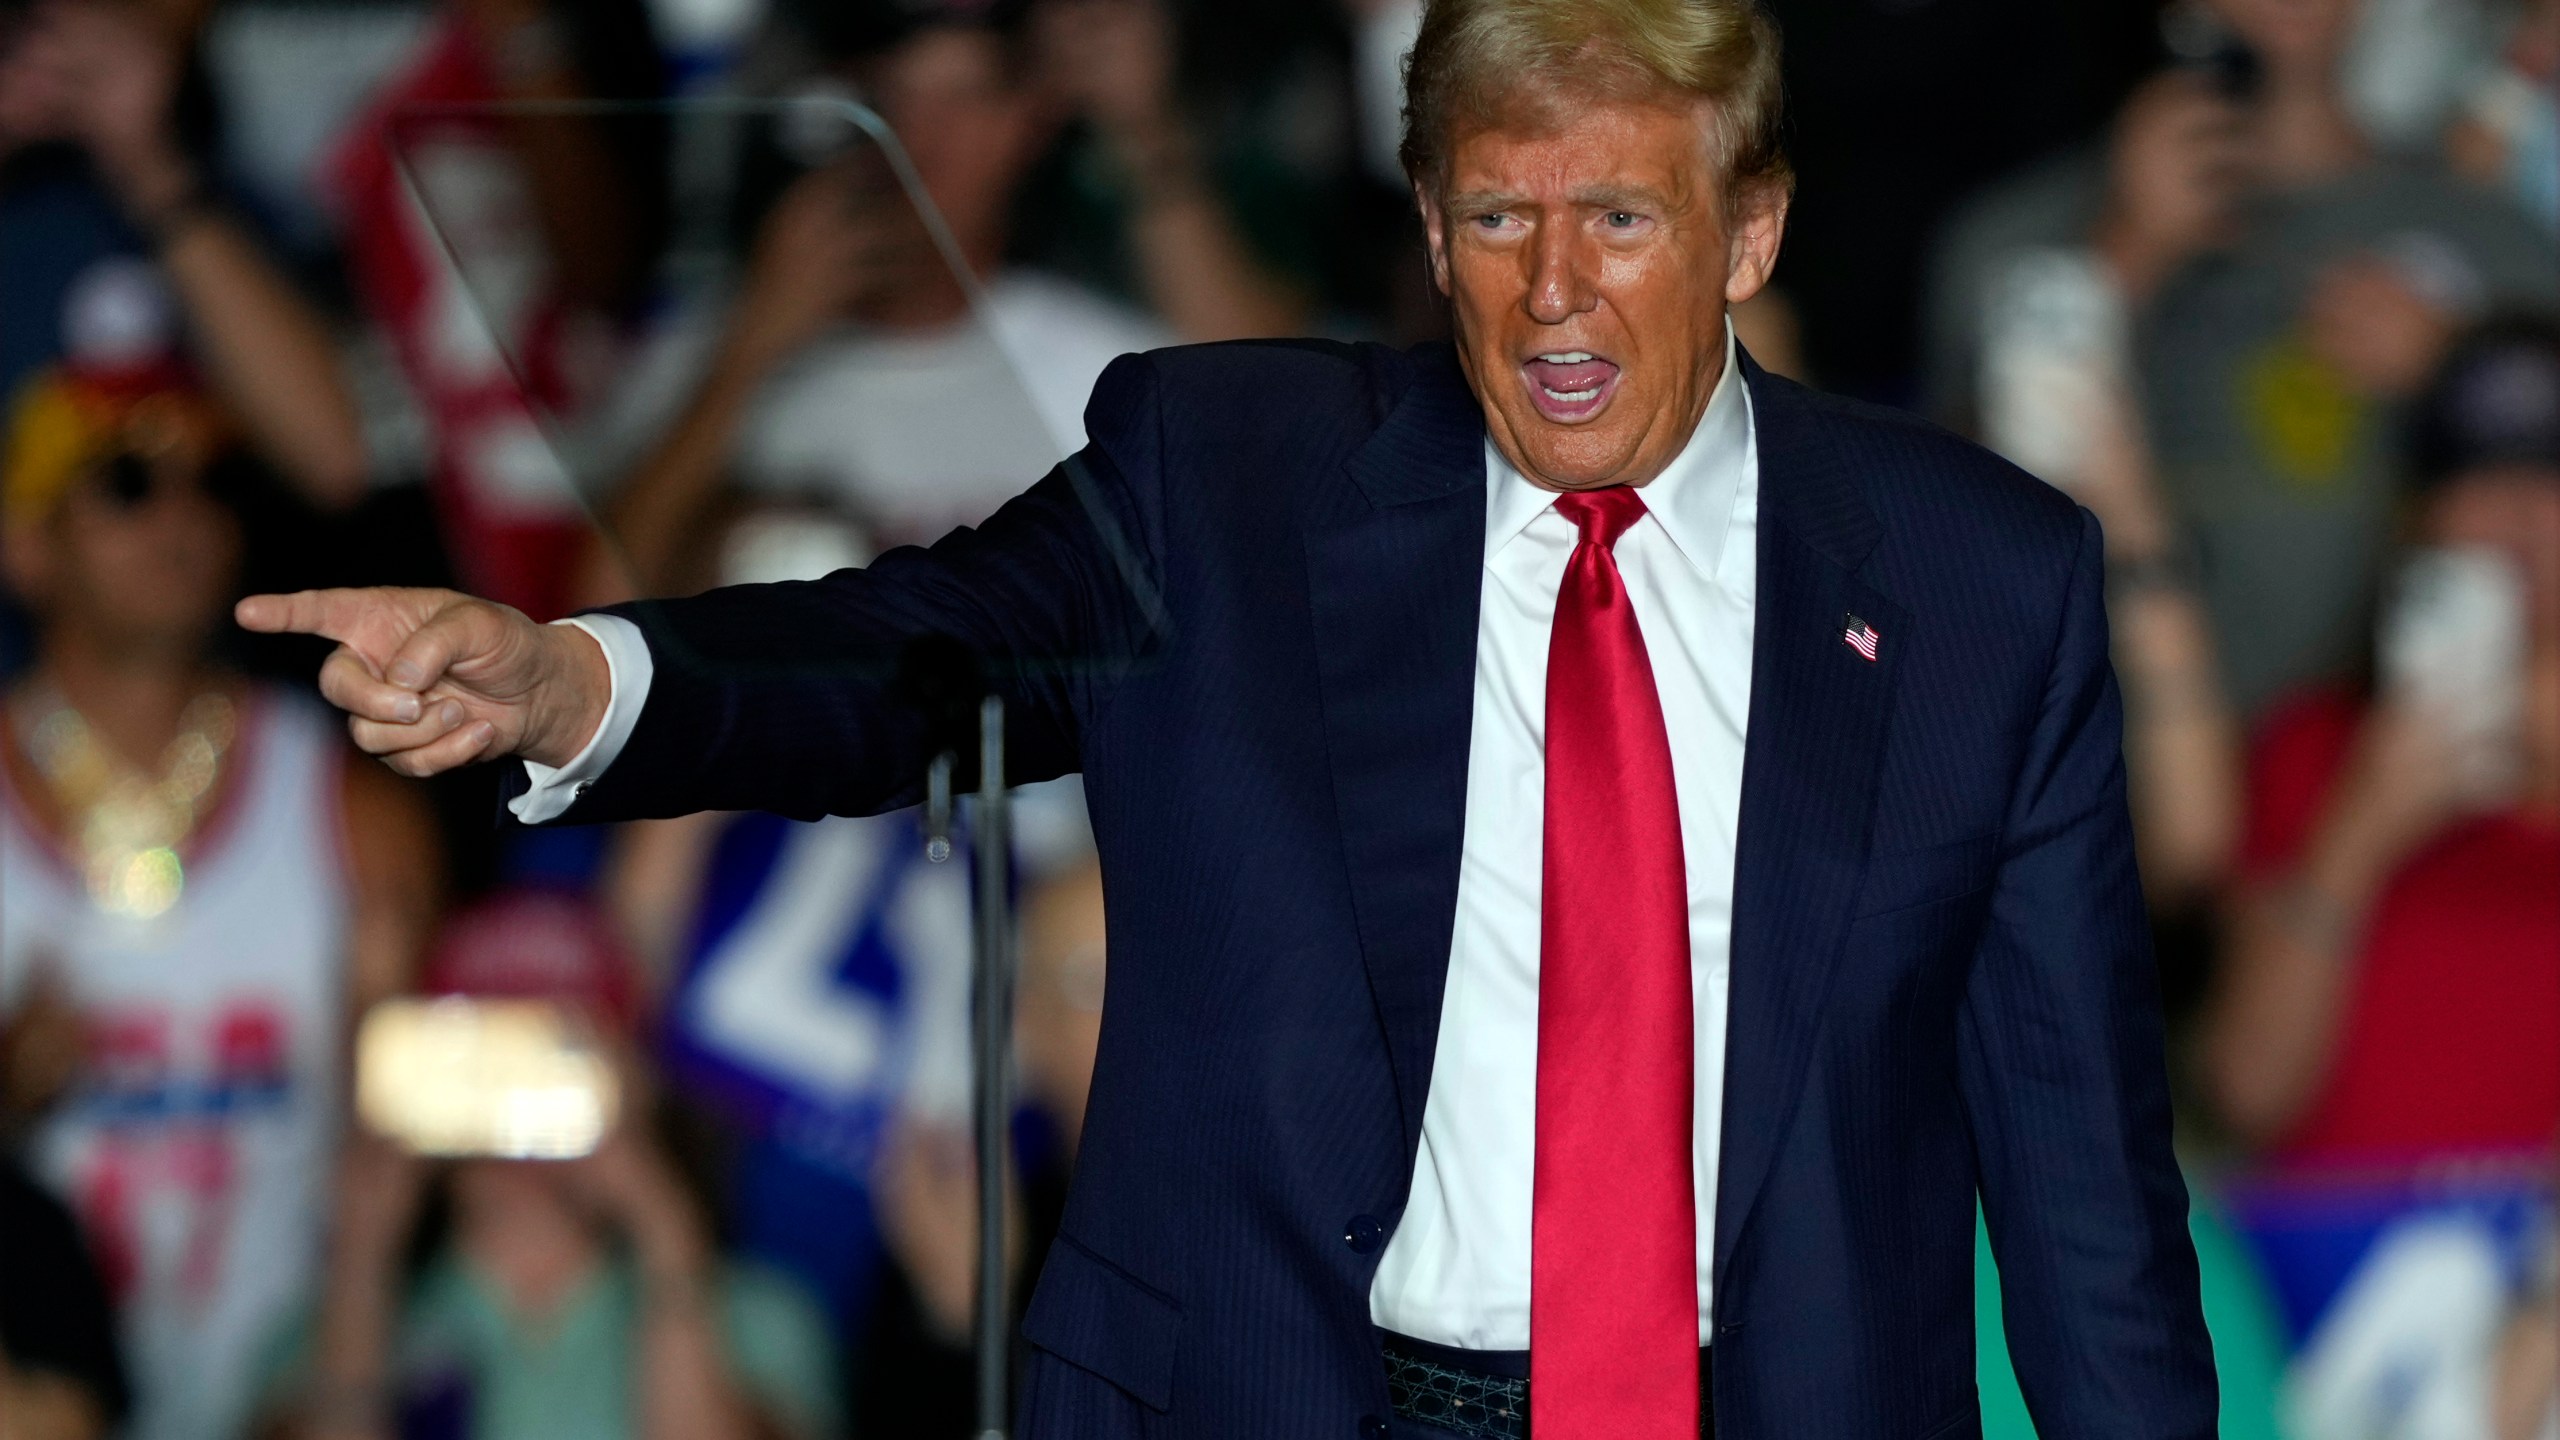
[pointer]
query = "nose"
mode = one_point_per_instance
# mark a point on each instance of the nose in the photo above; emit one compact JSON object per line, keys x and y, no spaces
{"x":1559,"y":275}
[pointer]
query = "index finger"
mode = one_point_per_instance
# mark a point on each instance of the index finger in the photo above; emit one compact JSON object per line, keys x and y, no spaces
{"x":332,"y":614}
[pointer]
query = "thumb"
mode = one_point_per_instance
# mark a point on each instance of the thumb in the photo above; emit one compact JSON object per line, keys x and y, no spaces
{"x":451,"y":634}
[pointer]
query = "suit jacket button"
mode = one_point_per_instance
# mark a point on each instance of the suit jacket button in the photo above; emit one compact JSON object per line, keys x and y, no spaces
{"x":1372,"y":1428}
{"x":1362,"y":1233}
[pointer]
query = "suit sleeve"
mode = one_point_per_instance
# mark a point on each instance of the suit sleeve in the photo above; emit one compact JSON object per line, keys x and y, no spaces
{"x":2064,"y":1080}
{"x":787,"y":697}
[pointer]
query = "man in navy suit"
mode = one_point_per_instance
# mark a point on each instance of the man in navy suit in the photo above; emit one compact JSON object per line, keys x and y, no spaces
{"x":1609,"y":852}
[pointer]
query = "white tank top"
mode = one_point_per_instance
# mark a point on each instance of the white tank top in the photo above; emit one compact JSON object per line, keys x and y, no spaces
{"x":196,"y":1145}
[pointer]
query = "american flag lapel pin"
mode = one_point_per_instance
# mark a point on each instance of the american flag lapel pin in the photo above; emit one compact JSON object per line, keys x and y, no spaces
{"x":1860,"y":636}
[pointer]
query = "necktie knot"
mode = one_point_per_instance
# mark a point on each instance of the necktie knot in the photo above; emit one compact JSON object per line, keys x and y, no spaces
{"x":1602,"y":515}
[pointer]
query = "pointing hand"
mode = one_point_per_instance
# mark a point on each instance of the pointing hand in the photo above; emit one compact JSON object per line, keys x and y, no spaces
{"x":433,"y":680}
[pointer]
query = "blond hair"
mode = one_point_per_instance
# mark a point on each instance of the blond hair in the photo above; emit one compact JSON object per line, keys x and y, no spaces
{"x":1476,"y":61}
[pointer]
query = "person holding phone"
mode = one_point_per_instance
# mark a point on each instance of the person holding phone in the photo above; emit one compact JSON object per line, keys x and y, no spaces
{"x":2286,"y":285}
{"x":111,"y":207}
{"x":2392,"y":983}
{"x":846,"y":313}
{"x":571,"y":1298}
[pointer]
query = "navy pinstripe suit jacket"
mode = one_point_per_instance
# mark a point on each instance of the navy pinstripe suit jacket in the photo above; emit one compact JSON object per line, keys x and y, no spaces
{"x":1941,"y":980}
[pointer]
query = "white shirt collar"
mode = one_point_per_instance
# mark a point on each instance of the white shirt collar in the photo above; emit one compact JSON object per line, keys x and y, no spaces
{"x":1692,"y":497}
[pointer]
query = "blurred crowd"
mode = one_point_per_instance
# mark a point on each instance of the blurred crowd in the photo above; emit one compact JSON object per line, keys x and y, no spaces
{"x":570,"y":301}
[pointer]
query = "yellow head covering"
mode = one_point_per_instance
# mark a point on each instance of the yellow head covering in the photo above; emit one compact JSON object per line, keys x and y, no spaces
{"x":63,"y":421}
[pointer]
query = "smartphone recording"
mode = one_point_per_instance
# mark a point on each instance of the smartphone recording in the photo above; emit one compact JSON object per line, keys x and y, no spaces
{"x":504,"y":1079}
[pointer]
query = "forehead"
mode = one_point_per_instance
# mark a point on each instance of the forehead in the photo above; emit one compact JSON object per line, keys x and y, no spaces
{"x":1550,"y":145}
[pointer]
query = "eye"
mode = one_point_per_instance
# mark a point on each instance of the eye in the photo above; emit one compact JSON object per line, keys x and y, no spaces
{"x":1621,"y":219}
{"x":1492,"y":221}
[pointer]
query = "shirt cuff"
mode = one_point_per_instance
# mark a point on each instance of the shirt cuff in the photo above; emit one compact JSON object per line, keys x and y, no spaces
{"x":550,"y":790}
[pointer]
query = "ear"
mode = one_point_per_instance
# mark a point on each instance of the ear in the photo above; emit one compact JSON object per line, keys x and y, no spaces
{"x":1751,"y":250}
{"x":1435,"y":235}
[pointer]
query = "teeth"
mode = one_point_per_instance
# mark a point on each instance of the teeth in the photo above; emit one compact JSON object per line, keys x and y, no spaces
{"x":1572,"y":397}
{"x":1566,"y":357}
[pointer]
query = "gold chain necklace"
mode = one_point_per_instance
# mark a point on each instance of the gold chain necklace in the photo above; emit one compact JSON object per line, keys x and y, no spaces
{"x":127,"y":825}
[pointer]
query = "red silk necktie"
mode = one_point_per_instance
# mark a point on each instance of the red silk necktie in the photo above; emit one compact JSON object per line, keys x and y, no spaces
{"x":1613,"y":1290}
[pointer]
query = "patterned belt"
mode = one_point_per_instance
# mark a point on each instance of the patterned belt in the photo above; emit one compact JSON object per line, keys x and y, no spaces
{"x":1482,"y":1393}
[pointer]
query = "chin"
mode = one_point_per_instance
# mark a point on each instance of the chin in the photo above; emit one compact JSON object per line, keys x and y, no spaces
{"x":1575,"y":457}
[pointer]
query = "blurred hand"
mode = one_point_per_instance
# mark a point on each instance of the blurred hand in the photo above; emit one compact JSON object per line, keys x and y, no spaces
{"x":35,"y":87}
{"x":43,"y":1404}
{"x":927,"y":1193}
{"x":42,"y":1047}
{"x":826,"y":248}
{"x":634,"y":1191}
{"x":128,"y":77}
{"x":2404,"y":782}
{"x":434,"y":680}
{"x":2116,"y":480}
{"x":379,"y":1188}
{"x":2173,"y":171}
{"x":1110,"y":61}
{"x":2364,"y":317}
{"x":102,"y":73}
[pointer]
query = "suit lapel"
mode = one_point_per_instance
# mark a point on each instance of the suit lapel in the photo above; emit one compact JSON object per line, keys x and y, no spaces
{"x":1394,"y":570}
{"x":1819,"y":711}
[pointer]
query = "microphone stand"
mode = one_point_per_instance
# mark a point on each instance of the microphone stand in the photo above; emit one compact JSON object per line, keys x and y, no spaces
{"x":991,"y":843}
{"x":944,"y":679}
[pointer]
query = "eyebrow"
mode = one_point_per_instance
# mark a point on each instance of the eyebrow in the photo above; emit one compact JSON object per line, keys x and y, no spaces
{"x":1621,"y":197}
{"x":1596,"y":197}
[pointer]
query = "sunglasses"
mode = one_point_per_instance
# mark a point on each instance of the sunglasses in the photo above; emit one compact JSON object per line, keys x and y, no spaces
{"x":127,"y":481}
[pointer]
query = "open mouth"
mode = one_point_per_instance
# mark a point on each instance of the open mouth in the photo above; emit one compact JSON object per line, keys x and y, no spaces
{"x":1569,"y":385}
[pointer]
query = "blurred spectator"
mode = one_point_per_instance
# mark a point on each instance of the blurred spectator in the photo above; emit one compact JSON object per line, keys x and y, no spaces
{"x":2391,"y":990}
{"x":1149,"y":176}
{"x":2421,"y":1338}
{"x":111,"y":219}
{"x":199,"y":880}
{"x":852,"y":362}
{"x":2182,"y":743}
{"x":60,"y":1375}
{"x":564,"y":1299}
{"x":820,"y":971}
{"x":1058,"y":1012}
{"x":2288,"y":287}
{"x":2525,"y":1394}
{"x":503,"y":250}
{"x":1896,"y":110}
{"x":2508,"y":133}
{"x":913,"y":1375}
{"x":2060,"y":399}
{"x":818,"y":999}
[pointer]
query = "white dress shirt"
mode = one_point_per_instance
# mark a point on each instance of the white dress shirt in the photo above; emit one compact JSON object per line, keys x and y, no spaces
{"x":1457,"y":1270}
{"x":628,"y":671}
